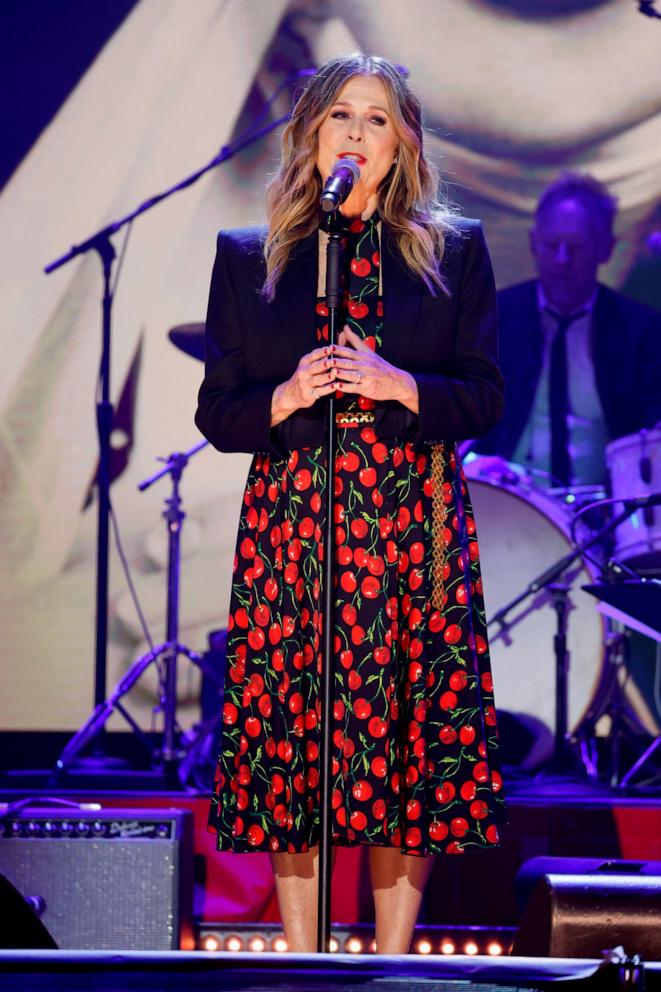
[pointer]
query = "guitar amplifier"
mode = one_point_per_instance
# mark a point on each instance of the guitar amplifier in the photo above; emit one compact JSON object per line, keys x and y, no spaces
{"x":104,"y":879}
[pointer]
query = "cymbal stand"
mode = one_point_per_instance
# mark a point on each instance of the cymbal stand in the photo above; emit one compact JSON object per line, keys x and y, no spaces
{"x":166,"y":653}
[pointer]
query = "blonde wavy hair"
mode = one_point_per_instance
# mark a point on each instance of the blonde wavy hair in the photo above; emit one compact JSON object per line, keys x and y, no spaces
{"x":408,"y":197}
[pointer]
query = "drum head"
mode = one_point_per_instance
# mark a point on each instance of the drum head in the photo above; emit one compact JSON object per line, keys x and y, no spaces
{"x":520,"y":534}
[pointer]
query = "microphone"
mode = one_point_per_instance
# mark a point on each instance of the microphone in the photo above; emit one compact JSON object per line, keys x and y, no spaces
{"x":339,"y":184}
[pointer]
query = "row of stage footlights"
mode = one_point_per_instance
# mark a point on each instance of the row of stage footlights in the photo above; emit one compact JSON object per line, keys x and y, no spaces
{"x":471,"y":941}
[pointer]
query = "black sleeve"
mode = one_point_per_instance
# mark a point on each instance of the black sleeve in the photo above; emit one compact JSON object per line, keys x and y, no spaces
{"x":467,"y":399}
{"x":233,"y":412}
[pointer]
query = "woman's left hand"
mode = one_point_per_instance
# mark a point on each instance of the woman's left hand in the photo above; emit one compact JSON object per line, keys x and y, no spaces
{"x":360,"y":370}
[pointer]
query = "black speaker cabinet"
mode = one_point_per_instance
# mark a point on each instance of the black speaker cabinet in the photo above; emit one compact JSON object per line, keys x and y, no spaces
{"x":104,"y":879}
{"x":582,"y":907}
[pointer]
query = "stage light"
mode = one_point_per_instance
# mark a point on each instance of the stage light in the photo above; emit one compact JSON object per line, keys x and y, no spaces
{"x":470,"y":947}
{"x":353,"y":945}
{"x":234,"y":944}
{"x":334,"y":944}
{"x":257,"y":944}
{"x":372,"y":947}
{"x":211,"y":944}
{"x":447,"y":947}
{"x":423,"y":947}
{"x":494,"y":948}
{"x":280,"y":944}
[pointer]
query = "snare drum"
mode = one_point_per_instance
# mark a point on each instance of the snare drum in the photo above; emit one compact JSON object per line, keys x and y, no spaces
{"x":521,"y":532}
{"x":634,"y":463}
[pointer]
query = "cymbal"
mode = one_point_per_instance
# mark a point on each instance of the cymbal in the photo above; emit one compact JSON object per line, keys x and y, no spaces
{"x":188,"y":338}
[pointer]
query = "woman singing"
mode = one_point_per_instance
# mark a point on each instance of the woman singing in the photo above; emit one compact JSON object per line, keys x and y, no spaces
{"x":414,"y":761}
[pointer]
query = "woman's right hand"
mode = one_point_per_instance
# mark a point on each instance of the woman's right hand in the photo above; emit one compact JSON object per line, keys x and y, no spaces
{"x":314,"y":377}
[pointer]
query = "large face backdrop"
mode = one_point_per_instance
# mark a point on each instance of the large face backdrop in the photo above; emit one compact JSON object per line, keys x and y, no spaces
{"x":513,"y":92}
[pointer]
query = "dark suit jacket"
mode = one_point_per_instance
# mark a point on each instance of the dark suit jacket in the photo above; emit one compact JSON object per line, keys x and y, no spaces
{"x":447,"y":343}
{"x":626,"y":350}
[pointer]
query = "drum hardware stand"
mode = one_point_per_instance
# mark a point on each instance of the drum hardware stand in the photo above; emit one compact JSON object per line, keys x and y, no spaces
{"x":167,"y":653}
{"x":547,"y":579}
{"x":621,"y":582}
{"x":561,"y":758}
{"x":329,"y":223}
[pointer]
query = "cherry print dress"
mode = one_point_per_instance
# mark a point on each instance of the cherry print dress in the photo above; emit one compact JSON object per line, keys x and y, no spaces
{"x":415,"y":746}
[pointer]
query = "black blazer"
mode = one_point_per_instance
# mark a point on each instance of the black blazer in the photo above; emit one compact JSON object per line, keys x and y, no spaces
{"x":447,"y":343}
{"x":626,"y":350}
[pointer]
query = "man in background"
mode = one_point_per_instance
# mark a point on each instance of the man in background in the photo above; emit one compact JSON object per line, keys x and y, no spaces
{"x":582,"y":363}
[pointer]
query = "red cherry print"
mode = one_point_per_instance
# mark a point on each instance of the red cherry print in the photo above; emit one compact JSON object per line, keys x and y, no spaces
{"x":413,"y":837}
{"x":403,"y":519}
{"x":359,"y":528}
{"x":348,"y":582}
{"x":302,"y":479}
{"x":345,"y":556}
{"x":487,"y":682}
{"x":357,"y":635}
{"x":478,"y":809}
{"x":346,"y":658}
{"x":468,"y":791}
{"x":253,"y":726}
{"x":354,"y":680}
{"x":379,"y":809}
{"x":447,"y":734}
{"x":367,"y":477}
{"x":459,"y":826}
{"x":496,"y":781}
{"x":241,"y":618}
{"x":256,"y":639}
{"x":492,"y":834}
{"x":351,"y":462}
{"x":349,"y":614}
{"x":370,"y":587}
{"x":230,"y":714}
{"x":454,"y":847}
{"x":438,"y":830}
{"x":362,"y":791}
{"x":467,"y":734}
{"x":262,"y":615}
{"x":296,"y":702}
{"x":377,"y":727}
{"x":413,"y":810}
{"x":358,"y":820}
{"x":358,"y":310}
{"x":379,"y":452}
{"x":361,"y":267}
{"x":360,"y":557}
{"x":452,"y":634}
{"x":379,"y":766}
{"x":382,"y":655}
{"x":481,"y":772}
{"x":458,"y":680}
{"x":362,"y":708}
{"x":446,"y":792}
{"x":448,"y":700}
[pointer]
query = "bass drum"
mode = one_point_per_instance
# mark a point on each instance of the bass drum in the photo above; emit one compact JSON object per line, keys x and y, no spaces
{"x":521,"y":532}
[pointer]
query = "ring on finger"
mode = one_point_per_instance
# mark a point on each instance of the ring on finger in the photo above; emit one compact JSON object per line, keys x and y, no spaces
{"x":359,"y":376}
{"x":314,"y":391}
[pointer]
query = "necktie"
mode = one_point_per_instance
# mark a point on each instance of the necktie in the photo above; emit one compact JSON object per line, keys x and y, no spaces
{"x":559,"y":398}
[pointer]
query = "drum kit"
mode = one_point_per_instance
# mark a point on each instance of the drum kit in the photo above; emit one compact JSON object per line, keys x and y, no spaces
{"x":565,"y":577}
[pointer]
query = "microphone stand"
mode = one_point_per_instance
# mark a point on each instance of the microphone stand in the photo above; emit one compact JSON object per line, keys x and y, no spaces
{"x":101,"y":243}
{"x":330,"y":224}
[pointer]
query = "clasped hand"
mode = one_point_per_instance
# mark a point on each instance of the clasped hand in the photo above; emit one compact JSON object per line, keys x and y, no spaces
{"x":350,"y":366}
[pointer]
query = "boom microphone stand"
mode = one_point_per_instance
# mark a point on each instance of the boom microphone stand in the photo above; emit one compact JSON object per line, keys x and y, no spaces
{"x":333,"y":301}
{"x":101,"y":243}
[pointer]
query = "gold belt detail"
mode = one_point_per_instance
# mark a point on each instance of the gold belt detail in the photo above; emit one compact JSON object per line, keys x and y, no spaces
{"x":439,"y":514}
{"x":354,"y":419}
